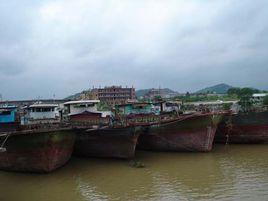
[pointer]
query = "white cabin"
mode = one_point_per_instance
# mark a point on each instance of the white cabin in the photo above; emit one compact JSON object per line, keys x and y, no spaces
{"x":168,"y":106}
{"x":43,"y":111}
{"x":77,"y":107}
{"x":80,"y":106}
{"x":40,"y":112}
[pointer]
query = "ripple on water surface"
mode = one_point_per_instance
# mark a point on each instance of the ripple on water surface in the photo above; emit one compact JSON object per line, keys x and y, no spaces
{"x":234,"y":172}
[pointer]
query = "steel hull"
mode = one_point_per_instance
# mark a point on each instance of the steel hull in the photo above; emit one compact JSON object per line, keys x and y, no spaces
{"x":37,"y":152}
{"x":195,"y":134}
{"x":9,"y":127}
{"x":109,"y":142}
{"x":244,"y":128}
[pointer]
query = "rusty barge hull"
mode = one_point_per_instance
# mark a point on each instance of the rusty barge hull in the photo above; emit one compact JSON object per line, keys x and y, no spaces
{"x":190,"y":134}
{"x":37,"y":152}
{"x":243,"y":128}
{"x":107,"y":143}
{"x":9,"y":127}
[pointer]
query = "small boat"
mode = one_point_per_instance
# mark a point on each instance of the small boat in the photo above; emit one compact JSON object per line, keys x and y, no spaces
{"x":35,"y":146}
{"x":243,"y":128}
{"x":193,"y":132}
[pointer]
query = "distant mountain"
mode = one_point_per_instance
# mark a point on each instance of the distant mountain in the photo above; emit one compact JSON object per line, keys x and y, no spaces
{"x":143,"y":92}
{"x":77,"y":95}
{"x":168,"y":91}
{"x":73,"y":97}
{"x":218,"y":89}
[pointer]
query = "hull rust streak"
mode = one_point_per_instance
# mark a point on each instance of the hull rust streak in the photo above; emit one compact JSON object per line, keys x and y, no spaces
{"x":106,"y":142}
{"x":243,"y":128}
{"x":192,"y":133}
{"x":39,"y":152}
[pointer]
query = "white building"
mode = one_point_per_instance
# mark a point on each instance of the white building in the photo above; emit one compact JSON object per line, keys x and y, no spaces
{"x":173,"y":106}
{"x":167,"y":106}
{"x":40,"y":113}
{"x":80,"y":106}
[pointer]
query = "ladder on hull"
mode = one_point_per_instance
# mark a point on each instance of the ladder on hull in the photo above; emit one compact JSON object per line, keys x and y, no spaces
{"x":2,"y":148}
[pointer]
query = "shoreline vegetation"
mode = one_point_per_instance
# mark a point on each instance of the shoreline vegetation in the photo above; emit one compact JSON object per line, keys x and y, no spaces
{"x":232,"y":94}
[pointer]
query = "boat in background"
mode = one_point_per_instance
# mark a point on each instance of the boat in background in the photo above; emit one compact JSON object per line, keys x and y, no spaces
{"x":39,"y":146}
{"x":243,"y":128}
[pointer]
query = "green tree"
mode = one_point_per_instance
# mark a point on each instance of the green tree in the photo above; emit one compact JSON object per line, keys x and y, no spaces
{"x":157,"y":98}
{"x":233,"y":91}
{"x":265,"y":100}
{"x":227,"y":106}
{"x":247,"y":92}
{"x":245,"y":102}
{"x":242,"y":92}
{"x":102,"y":106}
{"x":187,"y":94}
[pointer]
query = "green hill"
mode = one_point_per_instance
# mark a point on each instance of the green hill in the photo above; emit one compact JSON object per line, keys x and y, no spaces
{"x":218,"y":89}
{"x":73,"y":97}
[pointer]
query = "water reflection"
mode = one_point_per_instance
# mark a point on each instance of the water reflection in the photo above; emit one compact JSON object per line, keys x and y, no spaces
{"x":235,"y":172}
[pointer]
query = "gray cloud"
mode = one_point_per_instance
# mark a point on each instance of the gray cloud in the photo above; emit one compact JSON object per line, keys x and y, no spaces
{"x":61,"y":47}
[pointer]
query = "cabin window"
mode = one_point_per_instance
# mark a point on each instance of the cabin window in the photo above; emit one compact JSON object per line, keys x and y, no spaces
{"x":80,"y":106}
{"x":5,"y":113}
{"x":42,"y":109}
{"x":47,"y":109}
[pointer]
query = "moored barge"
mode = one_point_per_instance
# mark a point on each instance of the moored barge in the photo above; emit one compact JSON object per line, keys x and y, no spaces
{"x":194,"y":133}
{"x":38,"y":151}
{"x":243,"y":128}
{"x":39,"y":143}
{"x":106,"y":142}
{"x":97,"y":135}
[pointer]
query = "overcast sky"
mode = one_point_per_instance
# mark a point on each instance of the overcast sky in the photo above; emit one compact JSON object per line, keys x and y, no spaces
{"x":62,"y":47}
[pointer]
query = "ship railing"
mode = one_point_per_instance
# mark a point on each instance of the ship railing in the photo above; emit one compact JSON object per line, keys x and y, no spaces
{"x":149,"y":119}
{"x":88,"y":124}
{"x":44,"y":126}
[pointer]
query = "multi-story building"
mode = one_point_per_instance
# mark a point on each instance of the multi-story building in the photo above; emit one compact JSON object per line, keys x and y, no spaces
{"x":113,"y":95}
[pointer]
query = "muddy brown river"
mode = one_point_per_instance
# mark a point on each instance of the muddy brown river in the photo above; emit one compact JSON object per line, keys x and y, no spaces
{"x":232,"y":172}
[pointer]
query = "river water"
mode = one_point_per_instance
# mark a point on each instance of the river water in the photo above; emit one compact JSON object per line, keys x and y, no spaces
{"x":232,"y":172}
